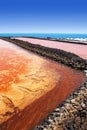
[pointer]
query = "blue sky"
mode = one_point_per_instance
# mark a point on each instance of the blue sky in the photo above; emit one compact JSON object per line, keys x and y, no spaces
{"x":46,"y":16}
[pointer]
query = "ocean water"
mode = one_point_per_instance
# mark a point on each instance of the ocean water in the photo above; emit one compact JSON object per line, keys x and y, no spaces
{"x":45,"y":35}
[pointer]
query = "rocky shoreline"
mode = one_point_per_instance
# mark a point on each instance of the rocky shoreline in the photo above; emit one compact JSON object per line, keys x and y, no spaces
{"x":57,"y":55}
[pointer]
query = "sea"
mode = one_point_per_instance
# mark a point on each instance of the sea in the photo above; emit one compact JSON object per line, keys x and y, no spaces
{"x":47,"y":35}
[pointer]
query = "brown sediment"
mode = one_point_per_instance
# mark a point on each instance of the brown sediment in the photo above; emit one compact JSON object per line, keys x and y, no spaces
{"x":11,"y":65}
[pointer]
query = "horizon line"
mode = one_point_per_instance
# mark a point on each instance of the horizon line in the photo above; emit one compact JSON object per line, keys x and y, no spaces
{"x":42,"y":32}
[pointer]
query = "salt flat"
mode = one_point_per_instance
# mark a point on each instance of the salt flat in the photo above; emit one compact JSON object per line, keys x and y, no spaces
{"x":31,"y":86}
{"x":80,"y":50}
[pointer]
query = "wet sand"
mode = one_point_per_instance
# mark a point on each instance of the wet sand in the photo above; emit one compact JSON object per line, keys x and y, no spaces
{"x":80,"y":50}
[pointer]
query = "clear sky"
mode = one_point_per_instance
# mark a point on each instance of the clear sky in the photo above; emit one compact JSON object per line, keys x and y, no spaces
{"x":47,"y":16}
